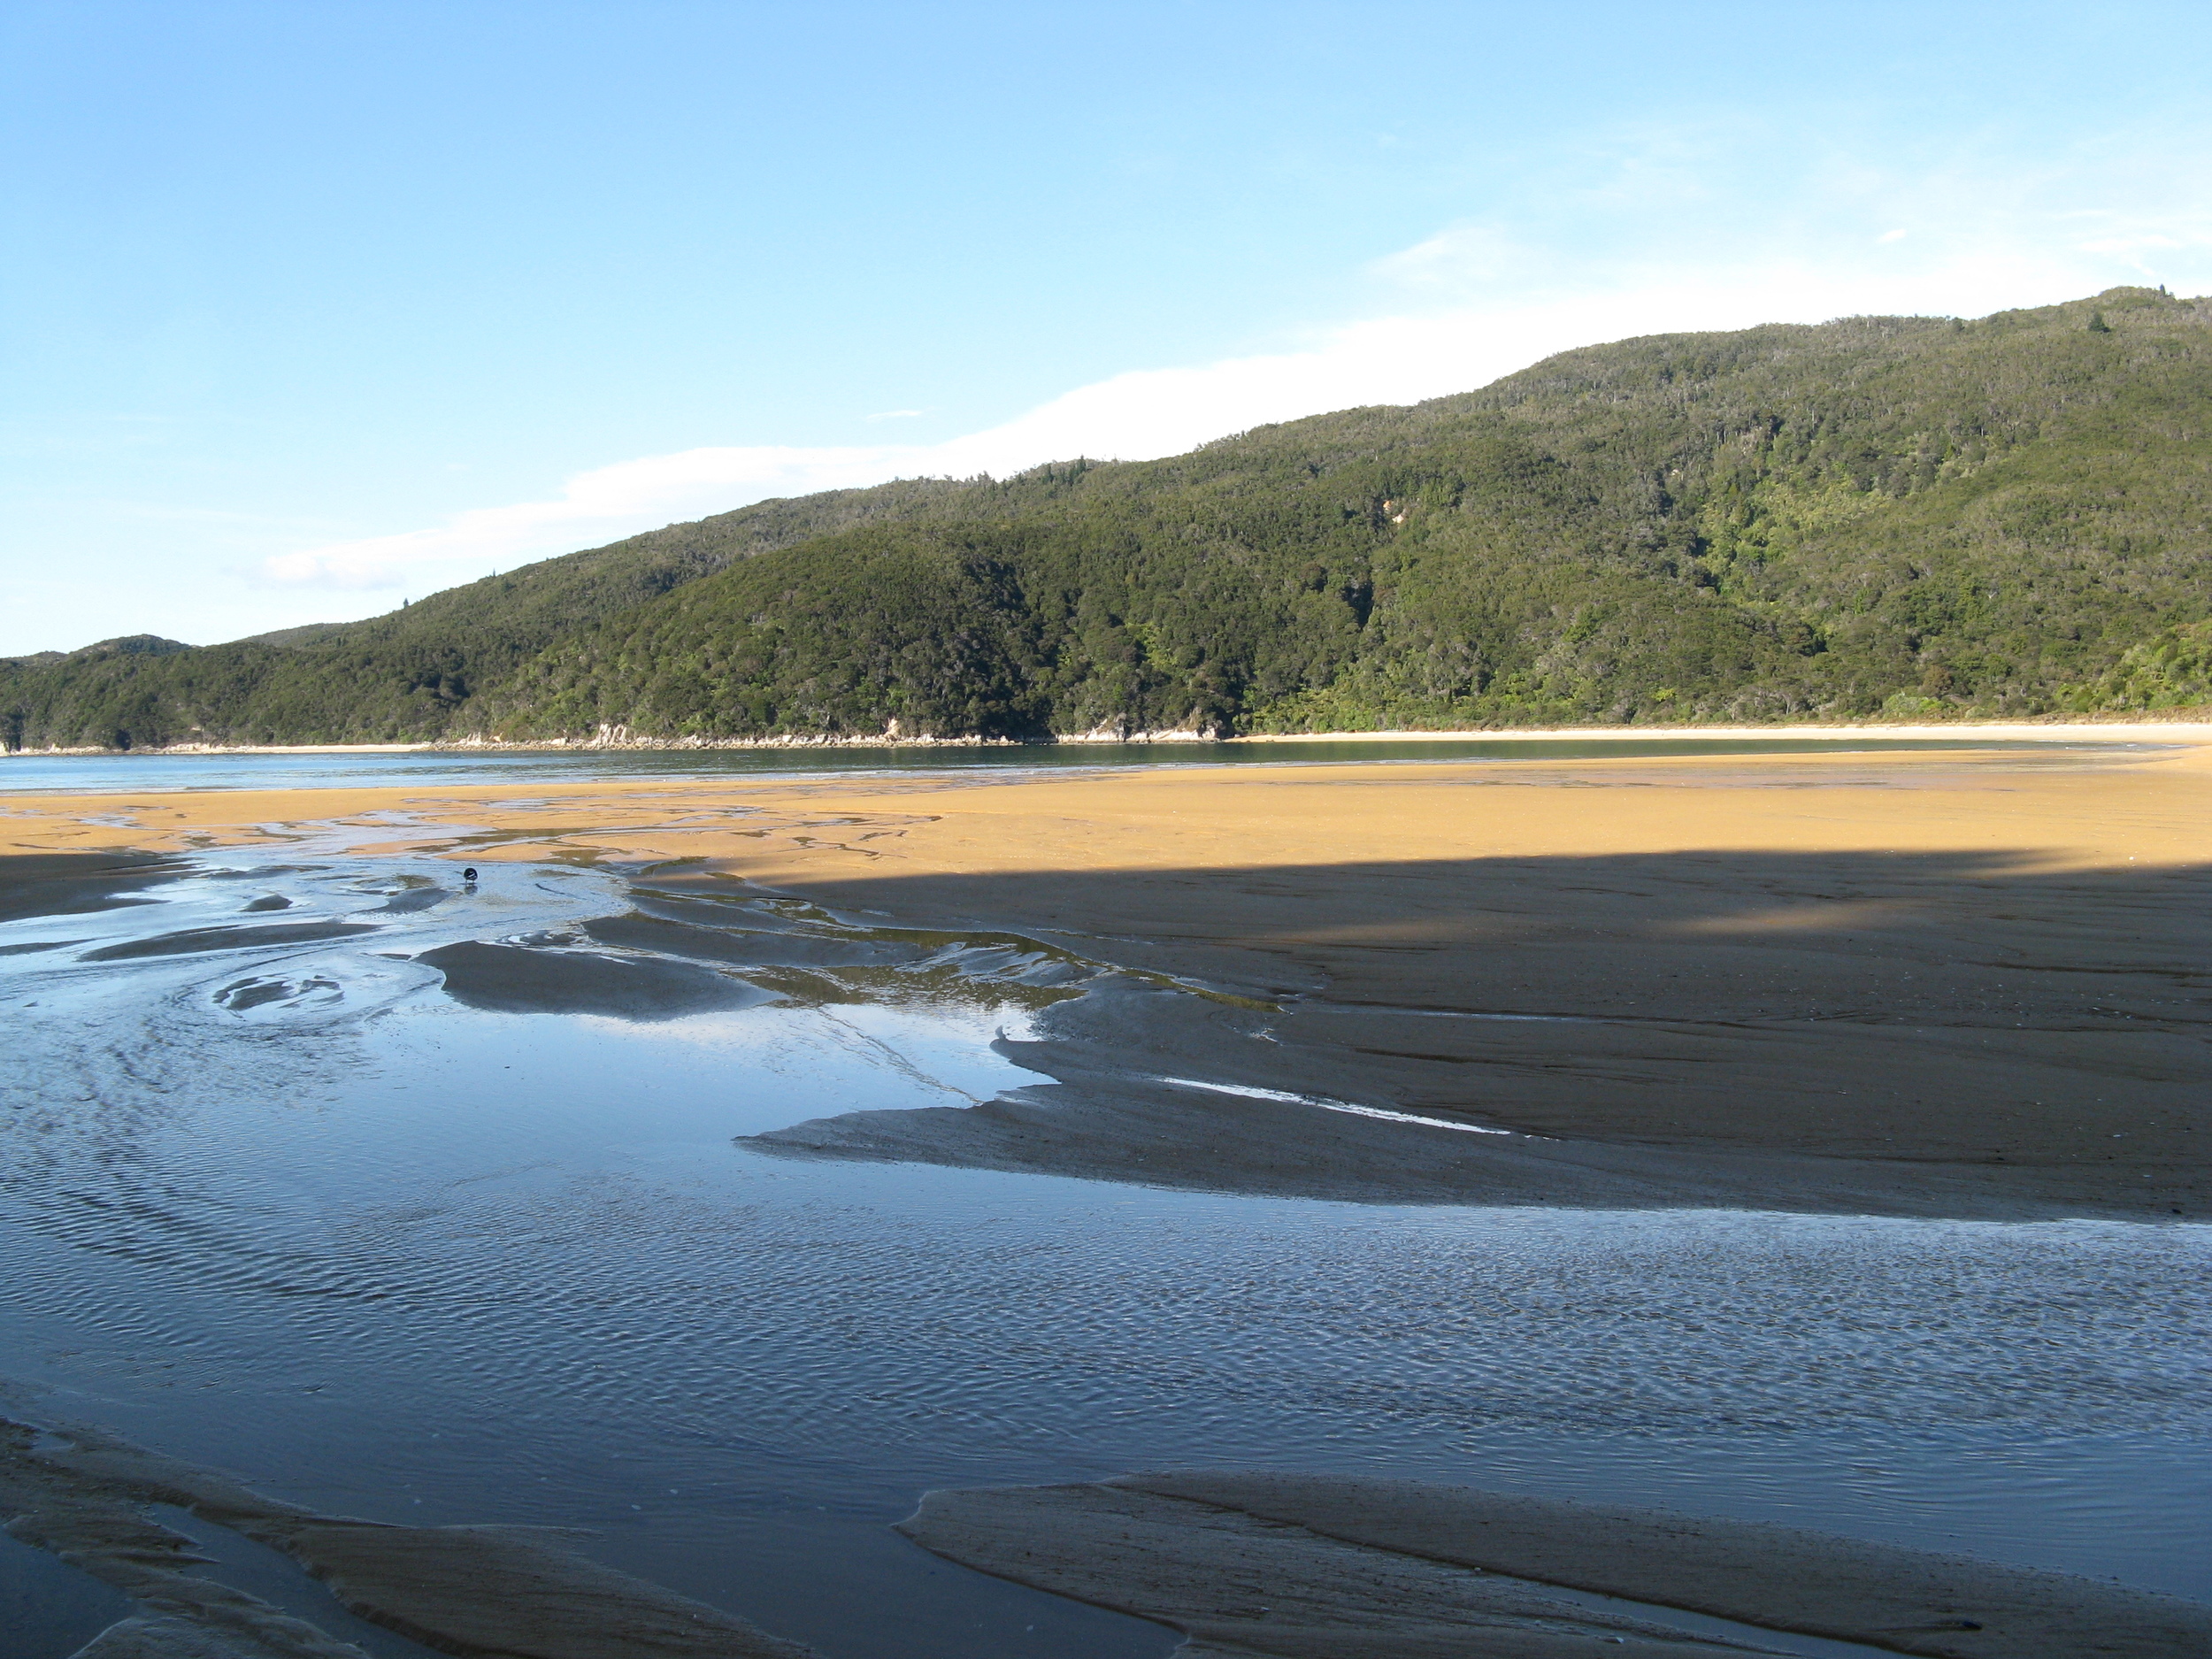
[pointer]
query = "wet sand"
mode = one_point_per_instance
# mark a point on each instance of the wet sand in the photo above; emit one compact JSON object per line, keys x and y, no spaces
{"x":521,"y":1592}
{"x":75,"y":883}
{"x":1318,"y":1567}
{"x":1964,"y":983}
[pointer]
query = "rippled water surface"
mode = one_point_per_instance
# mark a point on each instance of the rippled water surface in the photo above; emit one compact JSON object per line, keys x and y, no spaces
{"x":292,"y":1210}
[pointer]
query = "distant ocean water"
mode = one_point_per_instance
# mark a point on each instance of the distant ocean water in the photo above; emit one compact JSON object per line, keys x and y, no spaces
{"x":70,"y":774}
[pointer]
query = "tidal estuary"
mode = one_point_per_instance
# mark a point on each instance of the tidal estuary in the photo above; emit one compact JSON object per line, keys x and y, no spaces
{"x":431,"y":1201}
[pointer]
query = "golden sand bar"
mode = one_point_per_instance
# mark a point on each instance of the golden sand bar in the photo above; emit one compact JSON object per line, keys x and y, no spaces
{"x":1979,"y":970}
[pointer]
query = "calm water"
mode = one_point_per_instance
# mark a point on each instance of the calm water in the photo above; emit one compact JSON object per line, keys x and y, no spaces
{"x":73,"y":773}
{"x":291,"y":1210}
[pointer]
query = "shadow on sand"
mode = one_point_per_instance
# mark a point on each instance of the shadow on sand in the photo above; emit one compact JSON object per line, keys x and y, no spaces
{"x":1947,"y":1034}
{"x":1960,"y":1034}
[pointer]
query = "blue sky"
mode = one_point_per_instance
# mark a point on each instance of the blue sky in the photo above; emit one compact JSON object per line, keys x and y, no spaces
{"x":308,"y":307}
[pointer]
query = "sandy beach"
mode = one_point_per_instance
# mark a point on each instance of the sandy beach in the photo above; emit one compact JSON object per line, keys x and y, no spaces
{"x":1964,"y":982}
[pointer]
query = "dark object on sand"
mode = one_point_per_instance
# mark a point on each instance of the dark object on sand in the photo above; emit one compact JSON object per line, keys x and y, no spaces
{"x":469,"y":874}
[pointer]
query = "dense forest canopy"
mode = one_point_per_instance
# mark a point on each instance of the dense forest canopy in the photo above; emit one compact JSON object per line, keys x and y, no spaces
{"x":1908,"y":517}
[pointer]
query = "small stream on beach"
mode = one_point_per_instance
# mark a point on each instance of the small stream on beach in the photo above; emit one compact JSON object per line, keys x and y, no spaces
{"x":276,"y":1202}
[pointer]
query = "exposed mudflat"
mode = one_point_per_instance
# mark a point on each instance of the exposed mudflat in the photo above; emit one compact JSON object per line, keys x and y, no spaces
{"x":1354,"y":1567}
{"x":1954,"y":982}
{"x":517,"y":980}
{"x":38,"y":884}
{"x":461,"y":1589}
{"x":1238,"y":1585}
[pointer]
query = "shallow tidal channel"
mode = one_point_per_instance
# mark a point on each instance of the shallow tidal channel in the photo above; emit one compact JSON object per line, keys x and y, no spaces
{"x":284,"y":1205}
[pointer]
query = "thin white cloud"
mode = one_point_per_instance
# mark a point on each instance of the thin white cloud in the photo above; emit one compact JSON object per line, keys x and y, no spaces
{"x":1458,"y":311}
{"x":600,"y":505}
{"x":897,"y":414}
{"x":1459,"y":254}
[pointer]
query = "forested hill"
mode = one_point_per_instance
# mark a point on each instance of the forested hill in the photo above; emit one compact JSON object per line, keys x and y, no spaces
{"x":411,"y":674}
{"x":1911,"y":516}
